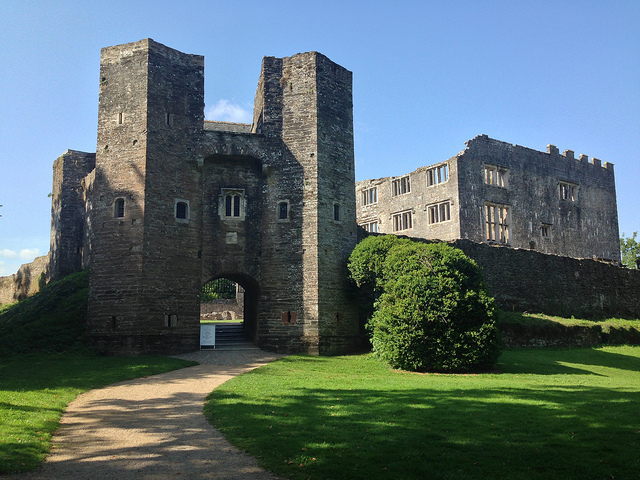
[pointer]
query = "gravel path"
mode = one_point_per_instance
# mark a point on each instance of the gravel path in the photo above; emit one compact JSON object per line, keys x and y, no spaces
{"x":152,"y":428}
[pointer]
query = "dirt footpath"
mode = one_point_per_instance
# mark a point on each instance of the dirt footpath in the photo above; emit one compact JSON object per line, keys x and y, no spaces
{"x":152,"y":428}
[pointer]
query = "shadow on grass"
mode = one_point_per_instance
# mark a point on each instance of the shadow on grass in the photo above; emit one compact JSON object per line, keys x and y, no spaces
{"x":511,"y":425}
{"x":555,"y":361}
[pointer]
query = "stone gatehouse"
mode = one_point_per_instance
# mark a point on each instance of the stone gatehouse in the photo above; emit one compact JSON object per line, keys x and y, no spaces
{"x":170,"y":201}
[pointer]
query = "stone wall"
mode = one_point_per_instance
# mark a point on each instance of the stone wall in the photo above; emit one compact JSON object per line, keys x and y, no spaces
{"x":27,"y":281}
{"x":452,"y":199}
{"x":525,"y":280}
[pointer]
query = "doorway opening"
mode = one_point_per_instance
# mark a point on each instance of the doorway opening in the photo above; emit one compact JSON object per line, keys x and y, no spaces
{"x":228,"y":313}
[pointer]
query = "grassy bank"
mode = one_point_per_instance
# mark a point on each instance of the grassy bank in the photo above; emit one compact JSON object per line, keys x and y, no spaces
{"x":35,"y":390}
{"x":570,"y":414}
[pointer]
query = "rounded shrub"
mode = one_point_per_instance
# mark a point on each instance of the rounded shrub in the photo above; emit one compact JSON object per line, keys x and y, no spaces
{"x":365,"y":267}
{"x":434,"y":313}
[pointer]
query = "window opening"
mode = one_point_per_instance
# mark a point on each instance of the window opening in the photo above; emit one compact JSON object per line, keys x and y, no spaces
{"x":545,"y":230}
{"x":118,"y":210}
{"x":182,"y":210}
{"x":497,"y":223}
{"x":402,"y":220}
{"x":437,"y":175}
{"x":336,"y":212}
{"x":496,"y":176}
{"x":283,"y":211}
{"x":440,"y":212}
{"x":400,"y":186}
{"x":232,"y":204}
{"x":371,"y":227}
{"x":170,"y":320}
{"x":370,"y":195}
{"x":568,"y":191}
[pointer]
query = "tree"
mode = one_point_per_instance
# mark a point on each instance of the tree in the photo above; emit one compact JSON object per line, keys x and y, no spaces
{"x":432,"y":311}
{"x":630,"y":250}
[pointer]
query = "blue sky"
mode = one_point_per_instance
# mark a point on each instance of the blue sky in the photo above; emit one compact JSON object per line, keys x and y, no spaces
{"x":428,"y":76}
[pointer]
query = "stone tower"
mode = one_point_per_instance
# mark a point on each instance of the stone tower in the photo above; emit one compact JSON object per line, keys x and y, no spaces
{"x":144,"y":259}
{"x":175,"y":201}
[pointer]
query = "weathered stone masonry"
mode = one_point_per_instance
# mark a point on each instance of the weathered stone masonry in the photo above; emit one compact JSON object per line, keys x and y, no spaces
{"x":500,"y":193}
{"x":175,"y":201}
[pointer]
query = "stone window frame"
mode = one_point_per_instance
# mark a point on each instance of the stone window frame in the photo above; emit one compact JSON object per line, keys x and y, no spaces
{"x":402,"y":220}
{"x":178,"y":202}
{"x":568,"y":191}
{"x":439,"y":212}
{"x":240,"y":203}
{"x":372,"y":226}
{"x":287,"y":206}
{"x":369,"y":195}
{"x":119,"y":208}
{"x":170,"y":320}
{"x":438,"y":174}
{"x":337,"y":212}
{"x":545,"y":231}
{"x":401,"y":185}
{"x":495,"y":175}
{"x":497,"y":222}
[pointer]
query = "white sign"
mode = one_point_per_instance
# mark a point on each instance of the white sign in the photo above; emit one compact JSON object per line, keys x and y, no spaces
{"x":207,"y":335}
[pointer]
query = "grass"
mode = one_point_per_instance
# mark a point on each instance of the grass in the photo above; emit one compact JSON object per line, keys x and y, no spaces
{"x":569,"y":414}
{"x":35,"y":390}
{"x":540,"y":319}
{"x":53,"y":320}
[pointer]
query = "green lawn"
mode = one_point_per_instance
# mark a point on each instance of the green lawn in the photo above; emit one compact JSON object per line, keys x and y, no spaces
{"x":35,"y":390}
{"x":540,"y":319}
{"x":544,"y":414}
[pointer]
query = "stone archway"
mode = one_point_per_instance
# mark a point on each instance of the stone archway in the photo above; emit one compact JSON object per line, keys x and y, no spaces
{"x":239,"y":308}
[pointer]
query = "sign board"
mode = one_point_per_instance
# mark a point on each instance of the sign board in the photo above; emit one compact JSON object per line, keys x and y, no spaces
{"x":207,"y":335}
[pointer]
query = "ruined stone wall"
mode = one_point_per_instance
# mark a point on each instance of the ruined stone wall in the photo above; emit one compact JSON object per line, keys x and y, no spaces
{"x":583,"y":226}
{"x":68,"y":212}
{"x":27,"y":281}
{"x":424,"y":194}
{"x":552,"y":203}
{"x":525,"y":280}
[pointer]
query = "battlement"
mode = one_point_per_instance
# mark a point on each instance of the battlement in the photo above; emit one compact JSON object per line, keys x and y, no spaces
{"x":570,"y":155}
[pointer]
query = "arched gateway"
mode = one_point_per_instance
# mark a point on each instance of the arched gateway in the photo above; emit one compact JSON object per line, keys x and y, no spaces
{"x":175,"y":200}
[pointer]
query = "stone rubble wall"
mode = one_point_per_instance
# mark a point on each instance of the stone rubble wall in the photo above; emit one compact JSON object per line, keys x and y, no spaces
{"x":27,"y":281}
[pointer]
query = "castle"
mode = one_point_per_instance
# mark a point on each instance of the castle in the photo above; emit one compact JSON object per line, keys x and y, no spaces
{"x":170,"y":201}
{"x":502,"y":194}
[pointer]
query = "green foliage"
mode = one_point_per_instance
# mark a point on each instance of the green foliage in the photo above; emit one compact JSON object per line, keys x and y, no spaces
{"x":543,"y":414}
{"x":630,"y":250}
{"x":53,"y":320}
{"x":365,"y":267}
{"x":435,"y":313}
{"x":220,"y":288}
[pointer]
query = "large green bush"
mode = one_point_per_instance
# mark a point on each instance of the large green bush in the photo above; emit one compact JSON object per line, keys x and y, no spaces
{"x":366,"y":269}
{"x":433,"y":312}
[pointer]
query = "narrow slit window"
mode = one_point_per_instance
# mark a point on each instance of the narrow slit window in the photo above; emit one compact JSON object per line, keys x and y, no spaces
{"x":118,"y":208}
{"x":283,"y":211}
{"x":336,"y":212}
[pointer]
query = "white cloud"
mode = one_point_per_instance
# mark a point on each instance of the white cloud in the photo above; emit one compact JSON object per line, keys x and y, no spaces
{"x":8,"y":253}
{"x":226,"y":111}
{"x":24,"y":254}
{"x":29,"y":253}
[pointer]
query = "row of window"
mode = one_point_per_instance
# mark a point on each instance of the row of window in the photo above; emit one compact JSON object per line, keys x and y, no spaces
{"x":493,"y":175}
{"x":233,"y":208}
{"x":399,"y":186}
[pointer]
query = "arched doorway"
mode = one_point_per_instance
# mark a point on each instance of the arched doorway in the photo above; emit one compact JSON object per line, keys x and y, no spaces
{"x":229,"y":303}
